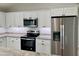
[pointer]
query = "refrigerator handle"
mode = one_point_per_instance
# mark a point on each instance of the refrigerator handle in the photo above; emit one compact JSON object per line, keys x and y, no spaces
{"x":61,"y":38}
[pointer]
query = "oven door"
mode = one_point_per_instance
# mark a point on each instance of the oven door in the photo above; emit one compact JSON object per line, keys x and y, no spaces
{"x":28,"y":44}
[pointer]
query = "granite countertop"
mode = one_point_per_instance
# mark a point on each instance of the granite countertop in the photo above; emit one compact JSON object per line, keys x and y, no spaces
{"x":13,"y":52}
{"x":12,"y":35}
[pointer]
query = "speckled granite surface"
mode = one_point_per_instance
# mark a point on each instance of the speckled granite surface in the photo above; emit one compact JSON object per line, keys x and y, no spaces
{"x":13,"y":52}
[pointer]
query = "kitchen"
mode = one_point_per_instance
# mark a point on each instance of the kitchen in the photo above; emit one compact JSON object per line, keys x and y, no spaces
{"x":19,"y":22}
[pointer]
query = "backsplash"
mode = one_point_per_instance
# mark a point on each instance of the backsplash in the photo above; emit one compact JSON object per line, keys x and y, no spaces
{"x":17,"y":29}
{"x":43,"y":30}
{"x":2,"y":30}
{"x":14,"y":30}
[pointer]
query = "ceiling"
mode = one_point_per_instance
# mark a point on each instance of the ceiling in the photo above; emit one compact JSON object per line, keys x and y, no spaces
{"x":4,"y":6}
{"x":32,"y":6}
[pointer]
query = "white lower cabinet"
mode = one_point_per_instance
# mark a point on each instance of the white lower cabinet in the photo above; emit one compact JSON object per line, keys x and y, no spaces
{"x":13,"y":43}
{"x":43,"y":46}
{"x":3,"y":42}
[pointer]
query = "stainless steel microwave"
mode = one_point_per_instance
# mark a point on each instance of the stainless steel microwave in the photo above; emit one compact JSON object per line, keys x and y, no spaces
{"x":29,"y":22}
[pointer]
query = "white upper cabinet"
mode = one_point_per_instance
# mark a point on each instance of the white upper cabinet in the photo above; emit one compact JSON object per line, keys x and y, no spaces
{"x":9,"y":19}
{"x":70,"y":11}
{"x":57,"y":12}
{"x":2,"y":19}
{"x":19,"y":19}
{"x":44,"y":18}
{"x":30,"y":14}
{"x":14,"y":19}
{"x":66,"y":11}
{"x":27,"y":15}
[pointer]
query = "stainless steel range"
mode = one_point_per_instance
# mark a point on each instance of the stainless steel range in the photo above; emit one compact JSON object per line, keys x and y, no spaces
{"x":28,"y":41}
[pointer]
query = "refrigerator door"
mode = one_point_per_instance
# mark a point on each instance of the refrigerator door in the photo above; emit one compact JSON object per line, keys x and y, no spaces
{"x":70,"y":36}
{"x":55,"y":36}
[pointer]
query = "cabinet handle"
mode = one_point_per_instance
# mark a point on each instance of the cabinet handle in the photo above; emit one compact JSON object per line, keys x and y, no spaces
{"x":43,"y":26}
{"x":42,"y":43}
{"x":63,"y":14}
{"x":30,"y":17}
{"x":19,"y":26}
{"x":12,"y":40}
{"x":10,"y":26}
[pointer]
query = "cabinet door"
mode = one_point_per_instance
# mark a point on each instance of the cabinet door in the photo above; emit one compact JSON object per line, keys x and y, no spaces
{"x":47,"y":46}
{"x":17,"y":43}
{"x":2,"y":19}
{"x":3,"y":42}
{"x":32,"y":14}
{"x":57,"y":12}
{"x":10,"y":42}
{"x":38,"y":46}
{"x":14,"y":19}
{"x":26,"y":15}
{"x":70,"y":11}
{"x":44,"y":18}
{"x":43,"y":46}
{"x":10,"y":19}
{"x":13,"y":43}
{"x":18,"y":21}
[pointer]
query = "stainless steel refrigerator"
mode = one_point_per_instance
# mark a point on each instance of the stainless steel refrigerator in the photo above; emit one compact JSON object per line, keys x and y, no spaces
{"x":64,"y":31}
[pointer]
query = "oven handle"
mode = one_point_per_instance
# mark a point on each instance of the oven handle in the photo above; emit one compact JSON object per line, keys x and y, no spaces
{"x":26,"y":39}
